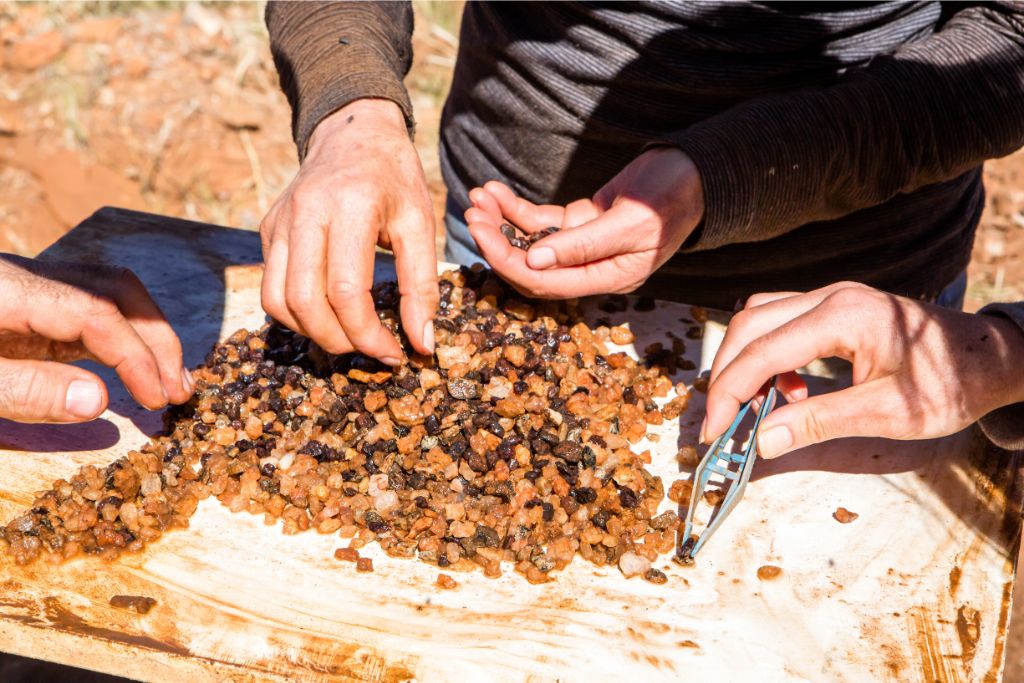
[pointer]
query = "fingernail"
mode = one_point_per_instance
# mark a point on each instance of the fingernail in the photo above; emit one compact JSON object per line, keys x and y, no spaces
{"x":428,"y":336}
{"x":187,"y":381}
{"x":391,"y":360}
{"x":774,"y":441}
{"x":540,"y":258}
{"x":83,"y":399}
{"x":703,"y":428}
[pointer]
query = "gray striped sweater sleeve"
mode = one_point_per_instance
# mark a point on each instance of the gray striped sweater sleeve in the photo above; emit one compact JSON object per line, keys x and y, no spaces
{"x":1005,"y":427}
{"x":329,"y":54}
{"x":924,"y":114}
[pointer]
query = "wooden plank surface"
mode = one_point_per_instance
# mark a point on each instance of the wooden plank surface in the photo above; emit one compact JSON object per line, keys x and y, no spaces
{"x":916,"y":589}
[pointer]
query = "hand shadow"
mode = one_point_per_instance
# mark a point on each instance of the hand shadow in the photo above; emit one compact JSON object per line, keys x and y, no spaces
{"x":58,"y":438}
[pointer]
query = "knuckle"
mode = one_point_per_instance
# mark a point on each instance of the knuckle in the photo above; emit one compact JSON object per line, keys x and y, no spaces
{"x":341,"y":293}
{"x":100,"y":308}
{"x":843,"y":300}
{"x":741,"y":323}
{"x":25,"y":392}
{"x":302,"y":196}
{"x":848,"y":294}
{"x":851,"y":284}
{"x":717,"y":392}
{"x":9,"y":383}
{"x":755,"y":300}
{"x":363,"y":196}
{"x":301,"y":302}
{"x":425,"y":291}
{"x":815,"y":427}
{"x":271,"y":302}
{"x":586,"y":248}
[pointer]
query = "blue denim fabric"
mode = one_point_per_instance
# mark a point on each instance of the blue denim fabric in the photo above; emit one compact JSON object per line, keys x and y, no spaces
{"x":460,"y":248}
{"x":953,"y":295}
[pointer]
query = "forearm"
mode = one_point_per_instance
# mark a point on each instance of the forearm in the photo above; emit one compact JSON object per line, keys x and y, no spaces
{"x":925,"y":114}
{"x":329,"y":54}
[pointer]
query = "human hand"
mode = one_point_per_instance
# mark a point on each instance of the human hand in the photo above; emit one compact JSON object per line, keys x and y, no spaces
{"x":611,"y":243}
{"x":54,"y":313}
{"x":919,"y":371}
{"x":360,"y":186}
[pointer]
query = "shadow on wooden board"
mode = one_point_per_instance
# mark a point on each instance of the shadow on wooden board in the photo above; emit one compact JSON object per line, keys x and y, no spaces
{"x":15,"y":669}
{"x":188,"y":291}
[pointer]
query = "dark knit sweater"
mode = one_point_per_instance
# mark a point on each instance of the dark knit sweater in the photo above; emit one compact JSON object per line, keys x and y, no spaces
{"x":835,"y":141}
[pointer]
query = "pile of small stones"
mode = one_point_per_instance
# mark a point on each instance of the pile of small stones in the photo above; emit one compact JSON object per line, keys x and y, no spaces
{"x":511,"y":445}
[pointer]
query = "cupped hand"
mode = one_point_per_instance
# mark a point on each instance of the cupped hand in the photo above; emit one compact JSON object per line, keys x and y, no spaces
{"x":919,"y":371}
{"x":53,"y":313}
{"x":360,"y":186}
{"x":610,"y":243}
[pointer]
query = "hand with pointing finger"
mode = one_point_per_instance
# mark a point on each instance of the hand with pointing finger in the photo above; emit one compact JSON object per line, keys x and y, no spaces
{"x":610,"y":243}
{"x":54,"y":313}
{"x":919,"y":371}
{"x":360,"y":186}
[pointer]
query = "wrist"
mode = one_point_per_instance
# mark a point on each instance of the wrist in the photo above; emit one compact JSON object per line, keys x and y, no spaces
{"x":997,"y":345}
{"x":694,"y":189}
{"x":373,"y":113}
{"x":1012,"y":336}
{"x":689,"y":189}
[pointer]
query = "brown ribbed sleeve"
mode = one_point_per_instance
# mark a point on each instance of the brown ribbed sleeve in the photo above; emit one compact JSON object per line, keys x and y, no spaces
{"x":331,"y":53}
{"x":1005,"y":427}
{"x":924,"y":114}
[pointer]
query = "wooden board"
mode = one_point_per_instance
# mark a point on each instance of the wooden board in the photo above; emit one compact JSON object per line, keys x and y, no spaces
{"x":916,"y":589}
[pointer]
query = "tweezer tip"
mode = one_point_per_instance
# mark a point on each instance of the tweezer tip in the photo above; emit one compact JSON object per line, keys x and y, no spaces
{"x":683,"y":560}
{"x":685,"y":555}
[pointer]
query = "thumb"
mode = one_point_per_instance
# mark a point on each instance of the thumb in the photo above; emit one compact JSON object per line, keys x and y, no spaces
{"x":861,"y":410}
{"x":39,"y":391}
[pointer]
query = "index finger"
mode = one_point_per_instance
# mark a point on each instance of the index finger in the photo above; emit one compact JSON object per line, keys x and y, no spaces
{"x":791,"y":345}
{"x":144,"y":315}
{"x":522,"y":212}
{"x":350,"y":256}
{"x":763,"y":313}
{"x":72,"y":315}
{"x":416,"y":266}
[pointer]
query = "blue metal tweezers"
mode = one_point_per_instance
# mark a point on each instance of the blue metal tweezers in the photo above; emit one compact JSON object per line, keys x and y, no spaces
{"x":720,"y":461}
